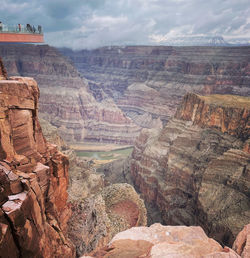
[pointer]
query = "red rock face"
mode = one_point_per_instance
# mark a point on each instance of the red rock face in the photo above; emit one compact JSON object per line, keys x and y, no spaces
{"x":229,"y":114}
{"x":196,"y":169}
{"x":33,"y":179}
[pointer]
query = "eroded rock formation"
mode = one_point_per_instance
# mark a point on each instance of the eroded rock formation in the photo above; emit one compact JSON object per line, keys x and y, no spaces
{"x":65,"y":99}
{"x":196,"y":169}
{"x":33,"y":179}
{"x":148,"y":82}
{"x":98,"y":218}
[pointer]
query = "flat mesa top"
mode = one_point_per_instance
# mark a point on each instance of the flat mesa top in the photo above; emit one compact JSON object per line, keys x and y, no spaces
{"x":227,"y":100}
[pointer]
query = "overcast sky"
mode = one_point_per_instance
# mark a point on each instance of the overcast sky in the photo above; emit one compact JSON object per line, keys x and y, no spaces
{"x":92,"y":23}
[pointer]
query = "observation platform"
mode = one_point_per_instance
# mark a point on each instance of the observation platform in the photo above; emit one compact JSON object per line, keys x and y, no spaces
{"x":21,"y":34}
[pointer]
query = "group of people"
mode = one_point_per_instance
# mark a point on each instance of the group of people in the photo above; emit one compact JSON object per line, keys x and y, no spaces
{"x":28,"y":28}
{"x":31,"y":29}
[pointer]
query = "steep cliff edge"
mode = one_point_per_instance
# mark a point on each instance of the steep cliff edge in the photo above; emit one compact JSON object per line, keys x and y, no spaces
{"x":196,"y":169}
{"x":65,"y":99}
{"x":33,"y":179}
{"x":148,"y":82}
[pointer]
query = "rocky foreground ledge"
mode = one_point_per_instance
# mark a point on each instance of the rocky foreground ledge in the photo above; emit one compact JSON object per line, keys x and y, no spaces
{"x":158,"y":241}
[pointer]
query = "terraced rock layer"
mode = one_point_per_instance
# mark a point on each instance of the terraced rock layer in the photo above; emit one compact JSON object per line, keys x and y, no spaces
{"x":196,"y":169}
{"x":65,"y":99}
{"x":148,"y":82}
{"x":33,"y":179}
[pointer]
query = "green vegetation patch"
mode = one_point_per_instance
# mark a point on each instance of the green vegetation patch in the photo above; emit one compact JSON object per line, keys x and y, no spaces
{"x":106,"y":155}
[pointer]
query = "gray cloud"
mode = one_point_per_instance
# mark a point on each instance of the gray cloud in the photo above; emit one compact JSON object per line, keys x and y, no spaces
{"x":93,"y":23}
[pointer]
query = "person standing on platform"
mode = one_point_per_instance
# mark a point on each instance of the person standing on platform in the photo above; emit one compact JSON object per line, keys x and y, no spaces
{"x":39,"y":29}
{"x":19,"y":27}
{"x":1,"y":26}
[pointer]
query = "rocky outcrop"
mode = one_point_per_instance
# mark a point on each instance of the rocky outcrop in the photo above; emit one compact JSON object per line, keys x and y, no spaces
{"x":164,"y":241}
{"x":196,"y":169}
{"x":152,"y":80}
{"x":65,"y":99}
{"x":98,"y":218}
{"x":242,"y":242}
{"x":33,"y":179}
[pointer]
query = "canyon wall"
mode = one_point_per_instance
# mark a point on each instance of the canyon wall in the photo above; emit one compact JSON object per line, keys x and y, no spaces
{"x":124,"y":89}
{"x":33,"y":179}
{"x":196,"y":169}
{"x":148,"y":82}
{"x":65,"y":99}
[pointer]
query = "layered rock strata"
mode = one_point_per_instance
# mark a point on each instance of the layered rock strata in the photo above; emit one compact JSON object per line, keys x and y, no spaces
{"x":150,"y":81}
{"x":196,"y":169}
{"x":33,"y":179}
{"x":164,"y":241}
{"x":65,"y":99}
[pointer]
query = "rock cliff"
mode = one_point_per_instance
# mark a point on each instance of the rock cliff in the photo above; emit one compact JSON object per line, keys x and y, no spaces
{"x":33,"y":179}
{"x":65,"y":99}
{"x":148,"y":82}
{"x":196,"y":169}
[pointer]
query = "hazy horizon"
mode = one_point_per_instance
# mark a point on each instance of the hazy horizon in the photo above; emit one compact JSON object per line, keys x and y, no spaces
{"x":95,"y":23}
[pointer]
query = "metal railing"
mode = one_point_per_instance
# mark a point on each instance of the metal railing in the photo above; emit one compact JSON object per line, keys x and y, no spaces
{"x":30,"y":29}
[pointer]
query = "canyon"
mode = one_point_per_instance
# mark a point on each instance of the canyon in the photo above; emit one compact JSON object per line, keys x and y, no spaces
{"x":148,"y":82}
{"x":36,"y":219}
{"x":191,"y":158}
{"x":114,"y":92}
{"x":65,"y":100}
